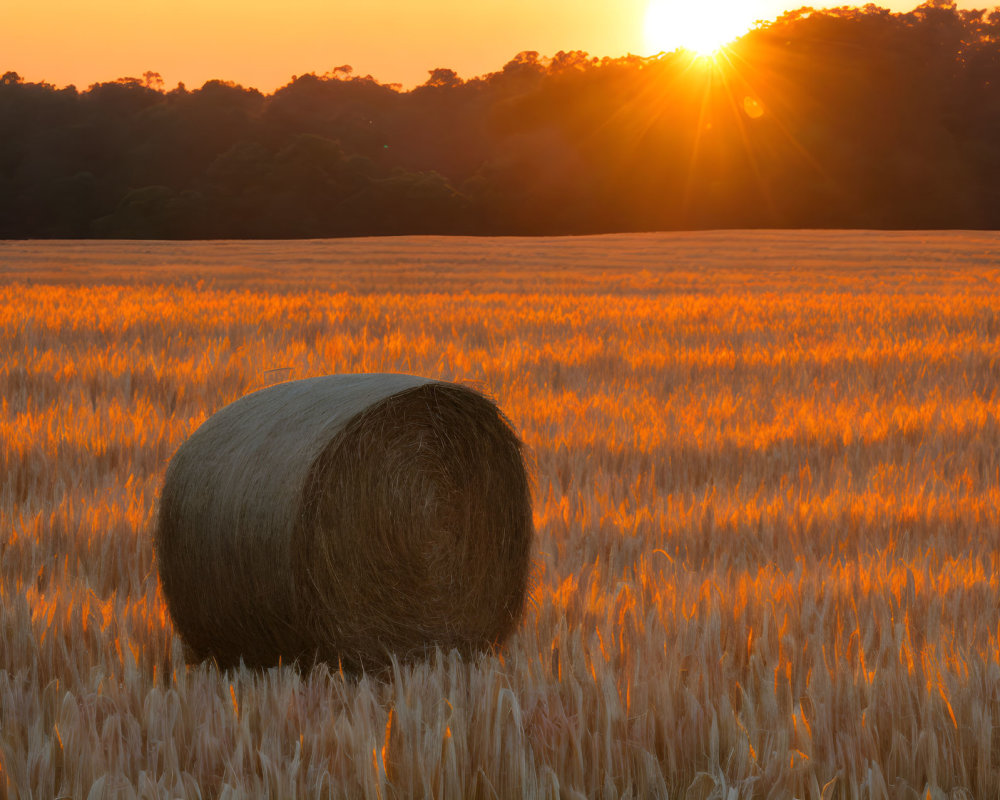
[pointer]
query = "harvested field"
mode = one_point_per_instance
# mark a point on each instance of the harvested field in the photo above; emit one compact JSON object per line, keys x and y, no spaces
{"x":766,"y":491}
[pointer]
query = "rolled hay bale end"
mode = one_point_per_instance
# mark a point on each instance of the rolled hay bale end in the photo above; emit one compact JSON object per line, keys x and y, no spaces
{"x":348,"y":519}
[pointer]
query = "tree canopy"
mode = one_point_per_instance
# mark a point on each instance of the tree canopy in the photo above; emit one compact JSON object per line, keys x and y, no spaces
{"x":851,"y":117}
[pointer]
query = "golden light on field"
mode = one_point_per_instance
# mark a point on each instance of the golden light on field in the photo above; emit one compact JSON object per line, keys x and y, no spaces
{"x":767,"y":505}
{"x":700,"y":27}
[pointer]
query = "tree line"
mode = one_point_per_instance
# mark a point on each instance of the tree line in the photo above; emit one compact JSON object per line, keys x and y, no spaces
{"x":851,"y":117}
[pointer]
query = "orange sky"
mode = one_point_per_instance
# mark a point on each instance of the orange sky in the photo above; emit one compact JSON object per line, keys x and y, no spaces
{"x":263,"y":44}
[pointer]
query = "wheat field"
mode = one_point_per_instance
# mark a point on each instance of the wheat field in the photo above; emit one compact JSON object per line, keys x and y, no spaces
{"x":766,"y":476}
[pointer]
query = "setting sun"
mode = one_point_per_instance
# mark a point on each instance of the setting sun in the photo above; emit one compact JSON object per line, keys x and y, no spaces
{"x":264,"y":44}
{"x":699,"y":27}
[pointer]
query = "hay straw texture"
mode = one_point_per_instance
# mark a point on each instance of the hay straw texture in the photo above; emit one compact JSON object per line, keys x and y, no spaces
{"x":346,"y":518}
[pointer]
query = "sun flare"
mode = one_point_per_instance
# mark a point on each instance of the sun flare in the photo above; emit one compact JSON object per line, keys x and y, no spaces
{"x":702,"y":28}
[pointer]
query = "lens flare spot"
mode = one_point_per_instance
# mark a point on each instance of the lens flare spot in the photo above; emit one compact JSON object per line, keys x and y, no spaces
{"x":752,"y":107}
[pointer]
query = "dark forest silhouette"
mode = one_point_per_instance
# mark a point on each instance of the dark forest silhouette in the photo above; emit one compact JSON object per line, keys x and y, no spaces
{"x":845,"y":118}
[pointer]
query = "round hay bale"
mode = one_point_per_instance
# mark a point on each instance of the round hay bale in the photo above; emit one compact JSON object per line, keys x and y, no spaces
{"x":347,"y":518}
